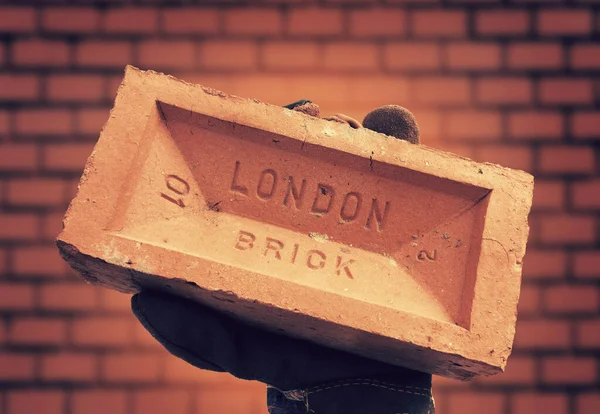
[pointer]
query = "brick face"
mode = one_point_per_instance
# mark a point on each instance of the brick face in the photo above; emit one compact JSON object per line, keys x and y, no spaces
{"x":511,"y":82}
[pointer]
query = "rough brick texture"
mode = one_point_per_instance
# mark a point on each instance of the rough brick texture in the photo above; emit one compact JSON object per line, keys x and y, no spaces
{"x":536,"y":91}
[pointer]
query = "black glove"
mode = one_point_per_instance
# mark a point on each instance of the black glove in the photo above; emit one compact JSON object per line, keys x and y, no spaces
{"x":303,"y":377}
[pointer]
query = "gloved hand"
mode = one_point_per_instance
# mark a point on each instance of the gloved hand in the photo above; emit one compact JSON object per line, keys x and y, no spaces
{"x":302,"y":377}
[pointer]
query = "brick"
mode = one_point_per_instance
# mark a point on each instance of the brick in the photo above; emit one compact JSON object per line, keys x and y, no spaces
{"x":30,"y":401}
{"x":567,"y":160}
{"x":99,"y":402}
{"x":519,"y":371}
{"x":43,"y":121}
{"x":534,"y":56}
{"x":131,"y":20}
{"x":377,"y":22}
{"x":161,"y":401}
{"x":68,"y":366}
{"x":564,"y":22}
{"x":503,"y":90}
{"x":253,"y":21}
{"x":568,"y":229}
{"x":547,"y":403}
{"x":473,"y":125}
{"x":380,"y":90}
{"x":109,"y":261}
{"x":191,"y":20}
{"x":473,"y":56}
{"x":442,"y":91}
{"x":587,"y":333}
{"x":571,"y":299}
{"x":18,"y":226}
{"x":63,"y":157}
{"x":412,"y":56}
{"x":568,"y":370}
{"x":75,"y":88}
{"x":289,"y":55}
{"x":141,"y":336}
{"x":38,"y":261}
{"x":91,"y":121}
{"x":179,"y":371}
{"x":4,"y":123}
{"x":102,"y":331}
{"x":37,"y":53}
{"x":518,"y":157}
{"x":549,"y":195}
{"x":167,"y":54}
{"x":70,"y":20}
{"x":350,"y":56}
{"x":314,"y":21}
{"x":114,"y":301}
{"x":499,"y":22}
{"x":18,"y":157}
{"x":469,"y":402}
{"x":585,"y":124}
{"x":542,"y":334}
{"x":37,"y":331}
{"x":68,"y":297}
{"x":587,"y":403}
{"x":16,"y":367}
{"x":224,"y":54}
{"x":585,"y":56}
{"x":103,"y":53}
{"x":530,"y":300}
{"x":528,"y":124}
{"x":437,"y":23}
{"x":586,"y":194}
{"x":246,"y":400}
{"x":41,"y":192}
{"x":3,"y":334}
{"x":17,"y":19}
{"x":128,"y":367}
{"x":19,"y":87}
{"x":566,"y":91}
{"x":587,"y":264}
{"x":51,"y":225}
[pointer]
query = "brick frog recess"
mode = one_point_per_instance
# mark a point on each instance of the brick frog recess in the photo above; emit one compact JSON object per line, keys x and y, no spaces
{"x":343,"y":236}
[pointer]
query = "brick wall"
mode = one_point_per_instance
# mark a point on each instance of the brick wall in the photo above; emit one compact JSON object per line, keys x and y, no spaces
{"x":511,"y":82}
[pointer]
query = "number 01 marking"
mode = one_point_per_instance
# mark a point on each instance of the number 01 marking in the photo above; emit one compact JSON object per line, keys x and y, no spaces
{"x":178,"y":188}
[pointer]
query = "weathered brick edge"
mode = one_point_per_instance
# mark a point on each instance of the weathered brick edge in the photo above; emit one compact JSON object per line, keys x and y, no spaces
{"x":420,"y":343}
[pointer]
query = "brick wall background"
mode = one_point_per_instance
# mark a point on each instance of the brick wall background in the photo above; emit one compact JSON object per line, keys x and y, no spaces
{"x":511,"y":82}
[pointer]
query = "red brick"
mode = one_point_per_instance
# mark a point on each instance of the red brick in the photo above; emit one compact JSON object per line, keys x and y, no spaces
{"x":253,"y":21}
{"x":501,"y":22}
{"x":131,"y":20}
{"x":529,"y":403}
{"x":571,"y":299}
{"x":585,"y":56}
{"x":75,"y":88}
{"x":450,"y":90}
{"x":377,"y":22}
{"x":16,"y":367}
{"x":246,"y":400}
{"x":519,"y":371}
{"x":114,"y":301}
{"x":38,"y":261}
{"x":542,"y":334}
{"x":4,"y":123}
{"x":179,"y":371}
{"x":530,"y":124}
{"x":37,"y":331}
{"x":585,"y":124}
{"x":103,"y":53}
{"x":503,"y":90}
{"x":534,"y":56}
{"x":69,"y":157}
{"x":417,"y":56}
{"x":68,"y":297}
{"x":224,"y":54}
{"x":167,"y":54}
{"x":99,"y":402}
{"x":128,"y":367}
{"x":68,"y":366}
{"x":290,"y":55}
{"x":51,"y":225}
{"x":102,"y":331}
{"x":161,"y":401}
{"x":3,"y":335}
{"x":350,"y":56}
{"x":530,"y":300}
{"x":567,"y":160}
{"x":568,"y":229}
{"x":473,"y":56}
{"x":566,"y":91}
{"x":37,"y":52}
{"x":18,"y":226}
{"x":473,"y":125}
{"x":568,"y":370}
{"x":17,"y":19}
{"x":19,"y":87}
{"x":191,"y":20}
{"x":586,"y":194}
{"x":587,"y":333}
{"x":70,"y":20}
{"x":587,"y":403}
{"x":587,"y":264}
{"x":42,"y":192}
{"x":18,"y":157}
{"x":564,"y":22}
{"x":548,"y":195}
{"x":32,"y":401}
{"x":314,"y":21}
{"x":437,"y":23}
{"x":141,"y":336}
{"x":3,"y":269}
{"x":91,"y":121}
{"x":517,"y":157}
{"x":44,"y":121}
{"x":470,"y":402}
